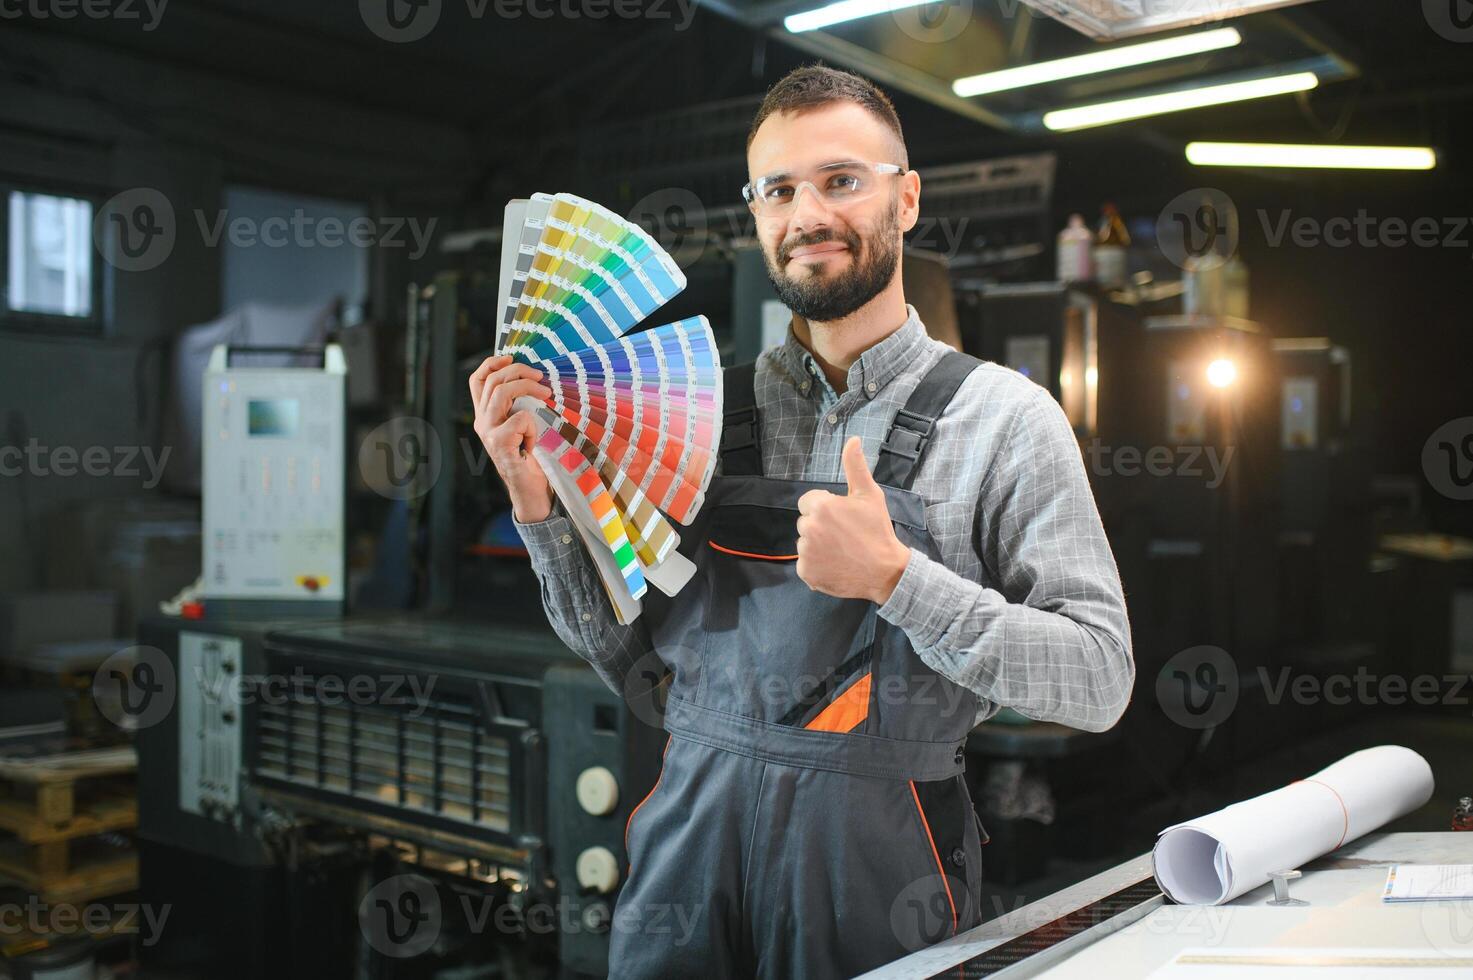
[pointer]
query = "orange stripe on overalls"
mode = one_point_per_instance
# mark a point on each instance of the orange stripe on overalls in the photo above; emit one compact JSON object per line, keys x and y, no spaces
{"x":847,"y":711}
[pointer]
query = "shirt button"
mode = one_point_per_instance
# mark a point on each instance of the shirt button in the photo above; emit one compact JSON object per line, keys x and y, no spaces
{"x":587,"y":617}
{"x":871,"y":387}
{"x":833,"y":419}
{"x":958,"y":856}
{"x":804,"y":387}
{"x":567,"y":539}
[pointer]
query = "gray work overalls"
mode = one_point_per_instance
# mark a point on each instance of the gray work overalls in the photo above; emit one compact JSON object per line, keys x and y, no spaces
{"x":811,"y":818}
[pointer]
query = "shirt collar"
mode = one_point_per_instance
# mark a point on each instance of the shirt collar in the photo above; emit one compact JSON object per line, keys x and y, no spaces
{"x":876,"y":367}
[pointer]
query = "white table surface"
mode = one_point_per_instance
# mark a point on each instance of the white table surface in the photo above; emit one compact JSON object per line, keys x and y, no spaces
{"x":1345,"y":912}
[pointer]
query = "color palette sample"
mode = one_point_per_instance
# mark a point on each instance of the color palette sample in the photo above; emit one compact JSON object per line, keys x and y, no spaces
{"x":630,"y":432}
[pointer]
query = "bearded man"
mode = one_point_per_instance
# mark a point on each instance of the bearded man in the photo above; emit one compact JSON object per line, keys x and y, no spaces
{"x":899,"y":541}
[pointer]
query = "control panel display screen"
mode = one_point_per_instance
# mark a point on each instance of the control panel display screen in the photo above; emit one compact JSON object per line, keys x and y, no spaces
{"x":273,"y":417}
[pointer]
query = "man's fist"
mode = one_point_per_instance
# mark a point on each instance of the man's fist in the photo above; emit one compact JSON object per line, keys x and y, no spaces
{"x":846,"y":545}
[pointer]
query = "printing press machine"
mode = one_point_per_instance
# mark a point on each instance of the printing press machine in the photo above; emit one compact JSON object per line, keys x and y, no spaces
{"x":333,"y":783}
{"x":410,"y":766}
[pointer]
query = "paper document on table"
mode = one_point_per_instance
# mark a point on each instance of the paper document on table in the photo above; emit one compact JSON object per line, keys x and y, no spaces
{"x":1428,"y":882}
{"x":1219,"y":856}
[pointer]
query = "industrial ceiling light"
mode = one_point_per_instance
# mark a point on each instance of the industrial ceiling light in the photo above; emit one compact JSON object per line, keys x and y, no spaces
{"x":1096,"y":62}
{"x":1221,"y":373}
{"x":1104,"y":113}
{"x":1111,"y":19}
{"x":1311,"y":156}
{"x":838,"y":13}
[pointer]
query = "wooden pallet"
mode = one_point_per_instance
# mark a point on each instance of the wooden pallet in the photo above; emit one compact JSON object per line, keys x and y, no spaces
{"x":55,"y":807}
{"x":25,"y":935}
{"x":54,"y":765}
{"x":114,"y":809}
{"x":72,"y":879}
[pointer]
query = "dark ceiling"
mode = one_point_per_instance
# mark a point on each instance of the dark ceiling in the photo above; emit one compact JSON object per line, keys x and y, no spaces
{"x":519,"y":75}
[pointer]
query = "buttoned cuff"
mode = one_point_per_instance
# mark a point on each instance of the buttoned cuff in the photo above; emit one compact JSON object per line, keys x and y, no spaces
{"x":552,"y":543}
{"x":925,"y":601}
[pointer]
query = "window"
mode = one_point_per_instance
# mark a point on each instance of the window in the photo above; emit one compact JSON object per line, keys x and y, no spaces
{"x":50,"y":268}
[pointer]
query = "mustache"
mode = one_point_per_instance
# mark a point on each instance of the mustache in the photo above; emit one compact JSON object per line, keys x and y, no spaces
{"x":785,"y":250}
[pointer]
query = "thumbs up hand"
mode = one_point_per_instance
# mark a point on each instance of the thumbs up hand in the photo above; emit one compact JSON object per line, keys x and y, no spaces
{"x":846,"y":545}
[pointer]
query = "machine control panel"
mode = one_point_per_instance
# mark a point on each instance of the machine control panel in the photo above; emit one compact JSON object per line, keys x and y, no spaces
{"x":274,"y":480}
{"x":209,"y":725}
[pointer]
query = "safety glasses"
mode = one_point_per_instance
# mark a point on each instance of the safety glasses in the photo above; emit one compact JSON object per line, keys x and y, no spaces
{"x":836,"y":184}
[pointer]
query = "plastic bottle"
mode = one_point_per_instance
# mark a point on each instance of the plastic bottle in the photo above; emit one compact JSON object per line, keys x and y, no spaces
{"x":1203,"y":287}
{"x":1235,"y":287}
{"x":1111,"y":260}
{"x":1076,"y":251}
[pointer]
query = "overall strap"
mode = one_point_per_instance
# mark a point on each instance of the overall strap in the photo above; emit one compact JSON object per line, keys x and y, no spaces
{"x":741,"y":448}
{"x":905,"y":444}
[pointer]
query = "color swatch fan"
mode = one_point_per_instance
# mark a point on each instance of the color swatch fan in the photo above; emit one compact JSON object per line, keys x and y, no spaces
{"x":630,"y":433}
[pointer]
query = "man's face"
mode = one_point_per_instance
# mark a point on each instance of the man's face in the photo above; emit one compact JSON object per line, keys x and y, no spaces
{"x":827,"y":260}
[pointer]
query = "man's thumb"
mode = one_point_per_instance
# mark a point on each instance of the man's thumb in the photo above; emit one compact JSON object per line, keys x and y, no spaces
{"x":856,"y":470}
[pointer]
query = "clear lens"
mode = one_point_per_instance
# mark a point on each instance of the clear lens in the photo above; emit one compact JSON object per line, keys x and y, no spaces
{"x":836,"y":184}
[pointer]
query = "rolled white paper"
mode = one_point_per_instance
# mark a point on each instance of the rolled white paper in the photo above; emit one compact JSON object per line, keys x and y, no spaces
{"x":1217,"y":857}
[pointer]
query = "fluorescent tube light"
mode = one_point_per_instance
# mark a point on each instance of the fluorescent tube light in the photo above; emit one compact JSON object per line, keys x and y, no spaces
{"x":1309,"y":155}
{"x":838,"y":13}
{"x":1096,"y":62}
{"x":1083,"y":117}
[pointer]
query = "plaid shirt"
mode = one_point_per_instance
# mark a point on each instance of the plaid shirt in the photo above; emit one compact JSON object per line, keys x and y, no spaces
{"x":1025,"y":606}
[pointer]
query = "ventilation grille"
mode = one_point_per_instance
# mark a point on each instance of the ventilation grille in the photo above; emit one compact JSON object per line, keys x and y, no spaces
{"x":425,"y":759}
{"x":990,"y":188}
{"x":1109,"y":19}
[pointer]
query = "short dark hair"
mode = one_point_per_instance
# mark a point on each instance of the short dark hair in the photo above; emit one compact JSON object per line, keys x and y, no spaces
{"x":818,"y":85}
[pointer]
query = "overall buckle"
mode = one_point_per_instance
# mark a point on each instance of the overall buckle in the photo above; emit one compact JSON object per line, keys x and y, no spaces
{"x":739,"y":430}
{"x":908,"y":435}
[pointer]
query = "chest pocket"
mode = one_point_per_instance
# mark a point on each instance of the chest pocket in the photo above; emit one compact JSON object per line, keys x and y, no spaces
{"x":771,"y":647}
{"x":755,"y":532}
{"x":771,"y":644}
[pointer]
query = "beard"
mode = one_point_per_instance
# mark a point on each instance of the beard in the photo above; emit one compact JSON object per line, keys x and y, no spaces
{"x":824,"y":298}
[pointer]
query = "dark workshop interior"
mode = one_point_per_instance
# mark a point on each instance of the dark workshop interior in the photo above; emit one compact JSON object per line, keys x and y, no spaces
{"x":260,"y":704}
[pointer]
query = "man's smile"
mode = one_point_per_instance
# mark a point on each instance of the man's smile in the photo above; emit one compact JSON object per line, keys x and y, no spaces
{"x":821,"y":250}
